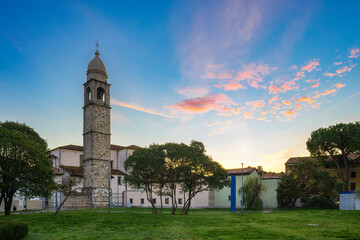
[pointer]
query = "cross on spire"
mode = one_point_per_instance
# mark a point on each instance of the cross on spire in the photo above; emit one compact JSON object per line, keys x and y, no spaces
{"x":97,"y":48}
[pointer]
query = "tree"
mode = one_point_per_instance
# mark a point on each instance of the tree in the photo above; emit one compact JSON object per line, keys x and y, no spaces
{"x":314,"y":187}
{"x":198,"y":173}
{"x":253,"y":187}
{"x":144,"y":169}
{"x":340,"y":143}
{"x":288,"y":191}
{"x":25,"y":164}
{"x":68,"y":186}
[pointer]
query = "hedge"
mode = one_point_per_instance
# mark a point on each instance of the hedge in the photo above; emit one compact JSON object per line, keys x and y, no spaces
{"x":12,"y":230}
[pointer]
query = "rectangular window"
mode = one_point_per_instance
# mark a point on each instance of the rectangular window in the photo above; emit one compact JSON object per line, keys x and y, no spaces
{"x":154,"y":200}
{"x":119,"y":180}
{"x":180,"y":200}
{"x":352,"y":186}
{"x":353,"y":174}
{"x":131,"y":201}
{"x":111,"y":164}
{"x":142,"y":201}
{"x":229,"y":198}
{"x":166,"y":200}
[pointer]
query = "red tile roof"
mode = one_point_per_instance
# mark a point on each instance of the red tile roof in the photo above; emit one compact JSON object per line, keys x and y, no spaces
{"x":294,"y":160}
{"x":239,"y":171}
{"x":273,"y":175}
{"x":78,"y":171}
{"x":80,"y":148}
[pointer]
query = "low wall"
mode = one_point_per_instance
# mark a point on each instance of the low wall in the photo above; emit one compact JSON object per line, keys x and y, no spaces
{"x":78,"y":200}
{"x":349,"y":201}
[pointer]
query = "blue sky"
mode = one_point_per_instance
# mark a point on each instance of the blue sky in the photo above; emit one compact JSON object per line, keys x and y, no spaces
{"x":250,"y":79}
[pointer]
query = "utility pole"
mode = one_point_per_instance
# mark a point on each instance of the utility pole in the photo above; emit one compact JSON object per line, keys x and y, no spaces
{"x":242,"y":188}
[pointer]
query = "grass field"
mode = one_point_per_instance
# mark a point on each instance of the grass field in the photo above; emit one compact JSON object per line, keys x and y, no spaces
{"x":139,"y":223}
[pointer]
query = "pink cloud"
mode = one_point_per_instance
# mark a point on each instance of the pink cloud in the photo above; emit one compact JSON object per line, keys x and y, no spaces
{"x":316,"y":85}
{"x":305,"y":99}
{"x":277,"y":105}
{"x":339,"y":85}
{"x":256,"y":104}
{"x":327,"y":92}
{"x":194,"y":92}
{"x":316,"y":105}
{"x":248,"y":115}
{"x":286,"y":86}
{"x":273,"y":99}
{"x":223,"y":75}
{"x":354,"y":53}
{"x":341,"y":70}
{"x":217,"y":102}
{"x":311,"y":66}
{"x":338,"y":63}
{"x":300,"y":74}
{"x":298,"y":106}
{"x":230,"y":86}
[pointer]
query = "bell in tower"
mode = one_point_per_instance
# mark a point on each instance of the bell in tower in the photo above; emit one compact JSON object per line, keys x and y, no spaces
{"x":96,"y":135}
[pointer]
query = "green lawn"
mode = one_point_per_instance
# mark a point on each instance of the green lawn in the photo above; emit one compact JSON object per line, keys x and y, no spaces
{"x":139,"y":223}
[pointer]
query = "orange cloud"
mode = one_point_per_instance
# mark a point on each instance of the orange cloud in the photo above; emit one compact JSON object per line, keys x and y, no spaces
{"x":315,"y":85}
{"x":289,"y":113}
{"x":341,"y":70}
{"x":338,"y":63}
{"x":224,"y":75}
{"x":327,"y":92}
{"x":264,"y":113}
{"x":273,"y":99}
{"x":287,"y":86}
{"x":286,"y":102}
{"x":305,"y":99}
{"x":310,"y":66}
{"x":141,"y":109}
{"x":339,"y":85}
{"x":261,"y":118}
{"x":231,"y":86}
{"x":298,"y":106}
{"x":248,"y":115}
{"x":317,"y":105}
{"x":300,"y":74}
{"x":354,"y":53}
{"x":277,"y":105}
{"x":256,"y":104}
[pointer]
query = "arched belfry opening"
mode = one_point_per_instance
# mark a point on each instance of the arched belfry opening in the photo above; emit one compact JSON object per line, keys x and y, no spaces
{"x":100,"y":94}
{"x":88,"y":94}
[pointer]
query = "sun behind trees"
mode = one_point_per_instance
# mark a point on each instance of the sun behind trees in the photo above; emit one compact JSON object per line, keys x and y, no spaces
{"x":164,"y":169}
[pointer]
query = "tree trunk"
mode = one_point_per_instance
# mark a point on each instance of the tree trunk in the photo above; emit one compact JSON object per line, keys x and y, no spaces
{"x":61,"y":204}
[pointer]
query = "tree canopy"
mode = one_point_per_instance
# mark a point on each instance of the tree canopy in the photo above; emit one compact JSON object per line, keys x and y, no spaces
{"x":166,"y":168}
{"x":25,"y":163}
{"x":340,"y":144}
{"x":253,"y":187}
{"x":307,"y":182}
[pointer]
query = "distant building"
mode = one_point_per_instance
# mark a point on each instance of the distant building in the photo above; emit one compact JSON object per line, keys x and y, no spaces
{"x":329,"y":166}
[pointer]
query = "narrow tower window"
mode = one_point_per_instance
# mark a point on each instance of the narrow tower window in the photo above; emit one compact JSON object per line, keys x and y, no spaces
{"x":88,"y":93}
{"x":101,"y":94}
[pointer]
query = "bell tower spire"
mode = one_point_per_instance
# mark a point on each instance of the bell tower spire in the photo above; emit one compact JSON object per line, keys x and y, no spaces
{"x":96,"y":134}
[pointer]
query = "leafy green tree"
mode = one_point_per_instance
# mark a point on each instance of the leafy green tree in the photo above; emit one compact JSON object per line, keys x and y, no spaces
{"x":340,"y":143}
{"x":253,"y":187}
{"x":312,"y":185}
{"x":25,"y":164}
{"x":199,"y":173}
{"x":144,"y":169}
{"x":288,"y":191}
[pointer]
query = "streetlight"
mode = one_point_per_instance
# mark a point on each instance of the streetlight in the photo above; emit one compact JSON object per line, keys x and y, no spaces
{"x":242,"y":187}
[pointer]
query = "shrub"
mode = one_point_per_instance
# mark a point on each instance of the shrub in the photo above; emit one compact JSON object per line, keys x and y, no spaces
{"x":12,"y":230}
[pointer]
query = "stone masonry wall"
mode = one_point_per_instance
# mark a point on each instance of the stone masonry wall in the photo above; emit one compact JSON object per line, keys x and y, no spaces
{"x":78,"y":200}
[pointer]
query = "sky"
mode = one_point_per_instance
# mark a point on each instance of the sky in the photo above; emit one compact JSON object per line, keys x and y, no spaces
{"x":250,"y":79}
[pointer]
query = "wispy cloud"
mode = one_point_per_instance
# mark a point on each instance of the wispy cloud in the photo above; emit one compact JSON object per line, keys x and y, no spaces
{"x":310,"y":66}
{"x":326,"y":92}
{"x":305,"y":99}
{"x":138,"y":108}
{"x":341,"y":71}
{"x":354,"y":53}
{"x":339,"y":85}
{"x":191,"y":92}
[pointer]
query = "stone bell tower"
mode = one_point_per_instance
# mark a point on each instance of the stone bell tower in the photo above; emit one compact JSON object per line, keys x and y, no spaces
{"x":96,"y":152}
